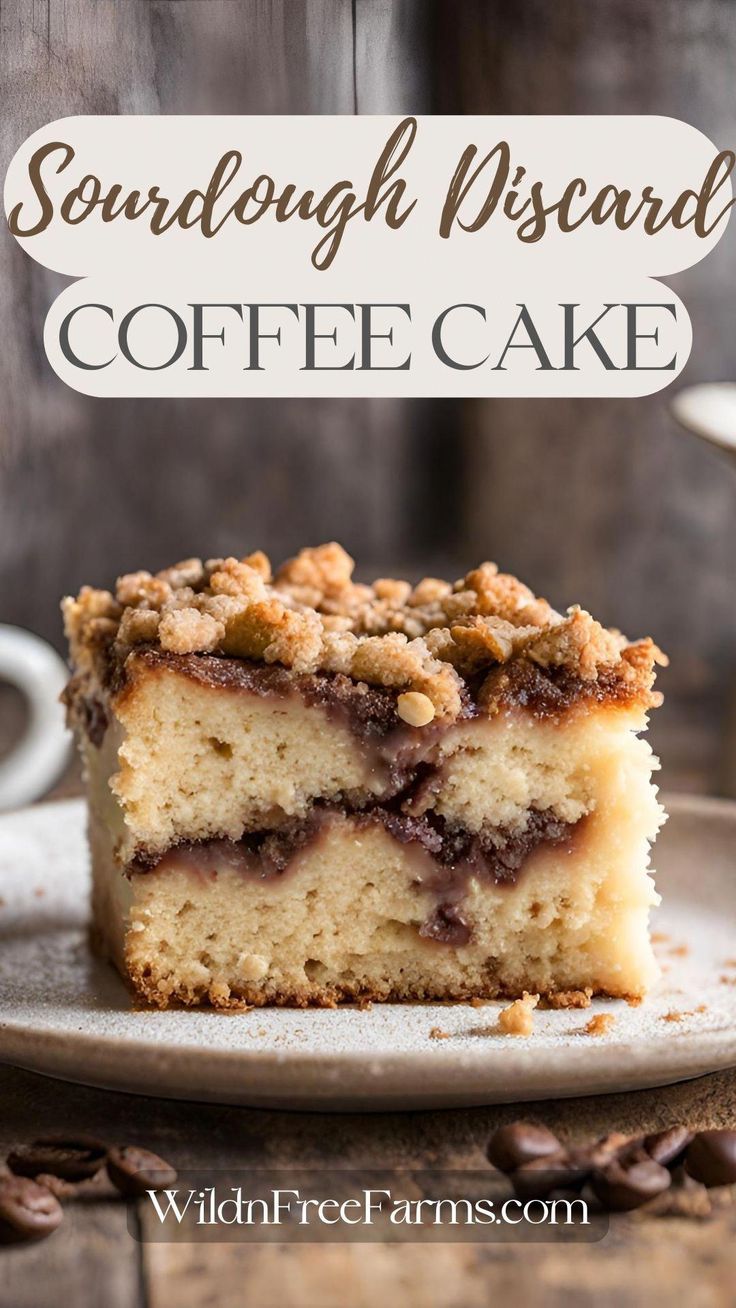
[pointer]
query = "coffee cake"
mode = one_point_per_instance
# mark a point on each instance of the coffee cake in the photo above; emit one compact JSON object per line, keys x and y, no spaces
{"x":303,"y":789}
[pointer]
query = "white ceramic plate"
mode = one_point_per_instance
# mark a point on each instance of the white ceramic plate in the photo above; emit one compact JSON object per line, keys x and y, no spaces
{"x":66,"y":1014}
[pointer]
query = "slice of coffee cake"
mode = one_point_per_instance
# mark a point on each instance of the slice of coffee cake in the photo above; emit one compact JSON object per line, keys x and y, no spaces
{"x":303,"y":789}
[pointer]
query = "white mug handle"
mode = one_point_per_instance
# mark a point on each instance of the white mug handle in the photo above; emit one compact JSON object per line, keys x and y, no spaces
{"x":38,"y":760}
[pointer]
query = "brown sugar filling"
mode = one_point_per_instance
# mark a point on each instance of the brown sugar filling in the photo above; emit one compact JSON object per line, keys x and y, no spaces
{"x":452,"y":854}
{"x":370,"y":712}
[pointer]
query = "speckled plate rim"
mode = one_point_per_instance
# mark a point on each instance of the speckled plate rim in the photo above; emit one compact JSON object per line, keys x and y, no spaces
{"x":443,"y":1074}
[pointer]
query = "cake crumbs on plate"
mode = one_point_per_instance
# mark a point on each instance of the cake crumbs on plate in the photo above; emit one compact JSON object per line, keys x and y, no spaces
{"x":677,"y":1015}
{"x":659,"y":937}
{"x":517,"y":1020}
{"x":438,"y":1034}
{"x":679,"y":951}
{"x":569,"y":999}
{"x":599,"y":1024}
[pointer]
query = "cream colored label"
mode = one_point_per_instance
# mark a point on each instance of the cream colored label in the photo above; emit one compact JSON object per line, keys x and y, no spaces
{"x":368,"y":255}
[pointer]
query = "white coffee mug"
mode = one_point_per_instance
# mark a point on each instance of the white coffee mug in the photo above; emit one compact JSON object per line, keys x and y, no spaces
{"x":39,"y":758}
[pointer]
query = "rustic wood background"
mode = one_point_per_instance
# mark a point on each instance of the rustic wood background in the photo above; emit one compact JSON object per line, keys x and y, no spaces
{"x":598,"y":501}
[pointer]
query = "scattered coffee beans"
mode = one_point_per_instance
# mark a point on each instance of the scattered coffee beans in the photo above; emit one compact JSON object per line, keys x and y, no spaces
{"x":667,"y":1147}
{"x":623,"y":1171}
{"x":602,"y":1152}
{"x":134,"y":1171}
{"x":27,"y":1211}
{"x":621,"y":1187}
{"x":538,"y":1179}
{"x":63,"y":1167}
{"x":72,"y":1158}
{"x":711,"y":1158}
{"x":519,"y":1143}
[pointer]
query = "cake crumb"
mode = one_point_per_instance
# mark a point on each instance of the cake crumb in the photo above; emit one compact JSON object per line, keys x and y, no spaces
{"x":475,"y":1002}
{"x":517,"y":1020}
{"x":659,"y":937}
{"x":599,"y":1024}
{"x":729,"y":962}
{"x":438,"y":1034}
{"x":569,"y":999}
{"x":727,"y":980}
{"x":634,"y":1001}
{"x":679,"y":951}
{"x":674,"y":1015}
{"x":364,"y":1005}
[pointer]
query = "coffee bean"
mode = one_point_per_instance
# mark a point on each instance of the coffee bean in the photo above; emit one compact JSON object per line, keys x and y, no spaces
{"x":134,"y":1171}
{"x":711,"y":1157}
{"x":666,"y":1147}
{"x":620,"y":1188}
{"x":27,"y":1211}
{"x":606,"y":1150}
{"x":72,"y":1158}
{"x":91,"y":1187}
{"x":520,"y":1143}
{"x":538,"y":1179}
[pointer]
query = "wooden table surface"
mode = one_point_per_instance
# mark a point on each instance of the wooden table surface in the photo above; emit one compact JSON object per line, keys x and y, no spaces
{"x":93,"y":1262}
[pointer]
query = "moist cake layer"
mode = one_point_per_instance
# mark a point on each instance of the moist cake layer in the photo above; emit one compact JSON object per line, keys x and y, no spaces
{"x":376,"y":791}
{"x":498,"y":854}
{"x":450,"y":858}
{"x":185,"y":761}
{"x":359,"y":916}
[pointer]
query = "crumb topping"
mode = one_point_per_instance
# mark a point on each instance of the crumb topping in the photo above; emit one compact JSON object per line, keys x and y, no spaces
{"x":424,"y":640}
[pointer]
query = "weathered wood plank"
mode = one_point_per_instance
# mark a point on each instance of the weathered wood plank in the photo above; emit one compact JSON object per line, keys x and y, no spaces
{"x":90,"y":1261}
{"x":391,"y":75}
{"x":89,"y":488}
{"x":632,"y":1266}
